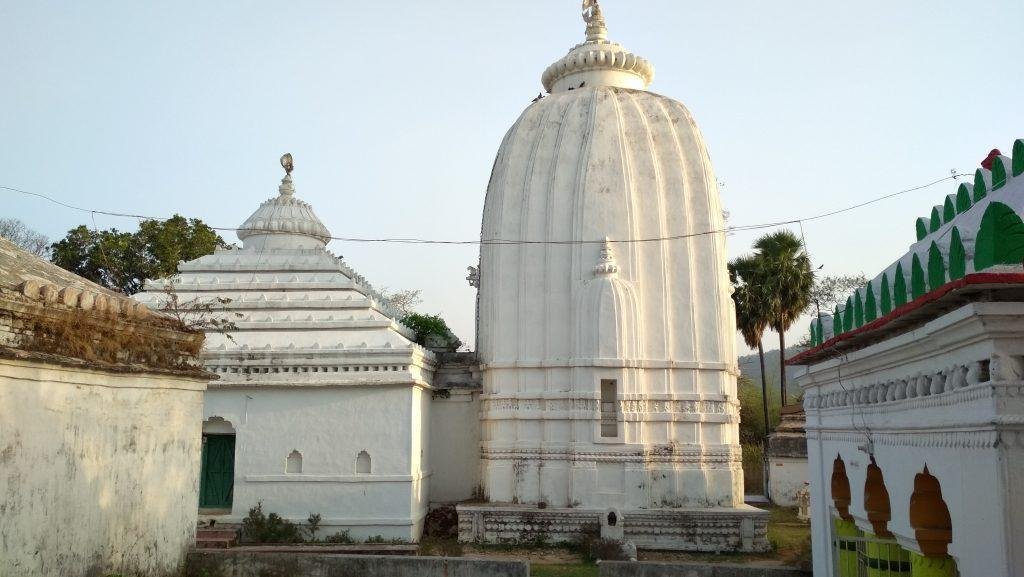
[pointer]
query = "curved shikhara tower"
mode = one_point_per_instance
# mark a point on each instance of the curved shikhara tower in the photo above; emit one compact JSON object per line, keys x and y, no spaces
{"x":608,"y":353}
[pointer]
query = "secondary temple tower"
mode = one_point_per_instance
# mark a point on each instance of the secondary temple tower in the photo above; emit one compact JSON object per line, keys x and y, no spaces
{"x":606,"y":326}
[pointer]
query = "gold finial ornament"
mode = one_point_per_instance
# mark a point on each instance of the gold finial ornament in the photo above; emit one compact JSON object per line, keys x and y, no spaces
{"x":287,"y":163}
{"x":592,"y":15}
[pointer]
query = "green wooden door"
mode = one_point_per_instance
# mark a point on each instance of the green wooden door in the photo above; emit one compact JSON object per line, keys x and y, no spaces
{"x":217,"y":478}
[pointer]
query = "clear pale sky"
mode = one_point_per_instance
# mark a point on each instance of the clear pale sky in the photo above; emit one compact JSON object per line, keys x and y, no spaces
{"x":394,"y":111}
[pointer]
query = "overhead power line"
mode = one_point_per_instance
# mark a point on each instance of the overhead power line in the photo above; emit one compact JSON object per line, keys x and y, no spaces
{"x":483,"y":242}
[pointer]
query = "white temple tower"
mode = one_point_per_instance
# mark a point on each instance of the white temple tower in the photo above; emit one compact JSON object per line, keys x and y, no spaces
{"x":605,"y":319}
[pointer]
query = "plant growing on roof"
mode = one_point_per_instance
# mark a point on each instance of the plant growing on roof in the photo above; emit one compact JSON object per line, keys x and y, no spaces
{"x":431,"y":329}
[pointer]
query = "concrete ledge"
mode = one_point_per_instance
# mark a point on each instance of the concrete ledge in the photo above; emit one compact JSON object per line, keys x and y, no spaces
{"x":249,"y":564}
{"x":626,"y":569}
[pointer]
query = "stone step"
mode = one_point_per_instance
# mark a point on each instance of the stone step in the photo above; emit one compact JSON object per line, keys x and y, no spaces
{"x":211,"y":543}
{"x":216,"y":534}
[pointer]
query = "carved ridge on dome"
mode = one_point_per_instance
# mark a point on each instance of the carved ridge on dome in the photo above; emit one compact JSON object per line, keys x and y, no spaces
{"x":604,"y":55}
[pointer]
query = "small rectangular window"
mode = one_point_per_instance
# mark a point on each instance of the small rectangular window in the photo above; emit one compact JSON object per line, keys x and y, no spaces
{"x":609,"y":408}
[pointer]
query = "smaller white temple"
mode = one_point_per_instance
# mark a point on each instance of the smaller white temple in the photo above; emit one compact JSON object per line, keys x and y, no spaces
{"x":322,"y":405}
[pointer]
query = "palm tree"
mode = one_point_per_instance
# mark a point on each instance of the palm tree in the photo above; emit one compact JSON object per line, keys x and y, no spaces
{"x":752,"y":314}
{"x":788,"y":277}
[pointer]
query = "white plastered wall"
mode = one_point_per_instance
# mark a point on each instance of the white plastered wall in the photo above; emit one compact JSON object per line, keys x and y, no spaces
{"x":99,"y":471}
{"x":330,"y":426}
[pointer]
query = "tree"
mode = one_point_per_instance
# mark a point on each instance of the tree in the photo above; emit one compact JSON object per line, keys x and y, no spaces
{"x":432,"y":330}
{"x":831,"y":290}
{"x":787,"y":276}
{"x":753,"y":307}
{"x":20,"y":234}
{"x":122,"y":261}
{"x":404,"y":301}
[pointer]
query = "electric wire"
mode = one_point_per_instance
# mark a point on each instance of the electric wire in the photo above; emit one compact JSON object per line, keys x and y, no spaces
{"x":489,"y":242}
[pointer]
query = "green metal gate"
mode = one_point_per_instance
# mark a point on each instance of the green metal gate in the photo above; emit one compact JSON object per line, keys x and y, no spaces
{"x":217,"y":477}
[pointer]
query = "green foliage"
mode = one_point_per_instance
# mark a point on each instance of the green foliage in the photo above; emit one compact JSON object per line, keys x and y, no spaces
{"x":753,"y":468}
{"x":122,"y":261}
{"x":561,"y":570}
{"x":1000,"y":238}
{"x":936,"y":267}
{"x":752,"y":299}
{"x":258,"y":527}
{"x":340,"y":538}
{"x":427,"y":326}
{"x":751,"y":412}
{"x":313,"y":525}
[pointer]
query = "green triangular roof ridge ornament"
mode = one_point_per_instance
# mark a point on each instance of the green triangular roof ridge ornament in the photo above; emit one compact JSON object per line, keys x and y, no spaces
{"x":1018,"y":157}
{"x":870,"y":308}
{"x":936,"y":267}
{"x":885,"y":299}
{"x":963,"y":198}
{"x":999,"y":172}
{"x":837,"y":322}
{"x":848,"y":315}
{"x":820,"y":326}
{"x":899,"y":287}
{"x":918,"y":287}
{"x":957,"y":256}
{"x":921,"y":225}
{"x":982,"y":178}
{"x":935,"y":222}
{"x":858,"y":309}
{"x":1000,"y":238}
{"x":949,"y":209}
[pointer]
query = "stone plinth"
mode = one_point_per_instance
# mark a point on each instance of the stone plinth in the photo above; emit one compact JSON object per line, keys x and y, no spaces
{"x":740,"y":529}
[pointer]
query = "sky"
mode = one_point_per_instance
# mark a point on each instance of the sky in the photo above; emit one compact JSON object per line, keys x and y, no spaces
{"x":394,"y":112}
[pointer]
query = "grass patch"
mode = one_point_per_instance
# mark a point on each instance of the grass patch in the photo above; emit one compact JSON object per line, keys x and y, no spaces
{"x":563,"y":570}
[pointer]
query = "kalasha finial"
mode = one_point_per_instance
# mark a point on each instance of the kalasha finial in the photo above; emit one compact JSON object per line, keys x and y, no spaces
{"x":596,"y":28}
{"x":288,"y":164}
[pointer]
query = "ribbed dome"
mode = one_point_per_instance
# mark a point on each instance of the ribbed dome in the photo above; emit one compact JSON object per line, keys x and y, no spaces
{"x":284,"y":222}
{"x":588,"y":164}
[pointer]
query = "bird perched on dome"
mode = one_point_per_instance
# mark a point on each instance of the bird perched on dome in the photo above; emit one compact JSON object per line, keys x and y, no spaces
{"x":287,"y":163}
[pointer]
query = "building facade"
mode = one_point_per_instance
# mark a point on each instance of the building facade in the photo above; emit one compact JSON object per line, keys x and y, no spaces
{"x":608,"y":365}
{"x":915,"y":398}
{"x":322,"y":402}
{"x":100,"y":416}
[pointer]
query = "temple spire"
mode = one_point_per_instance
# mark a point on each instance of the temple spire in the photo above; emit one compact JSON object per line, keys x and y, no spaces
{"x":597,"y":31}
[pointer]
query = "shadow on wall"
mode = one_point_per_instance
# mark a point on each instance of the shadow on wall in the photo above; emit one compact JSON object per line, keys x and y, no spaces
{"x":97,"y":479}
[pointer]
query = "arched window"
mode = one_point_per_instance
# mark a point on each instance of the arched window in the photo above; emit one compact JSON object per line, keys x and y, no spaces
{"x":294,"y":463}
{"x":363,"y":463}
